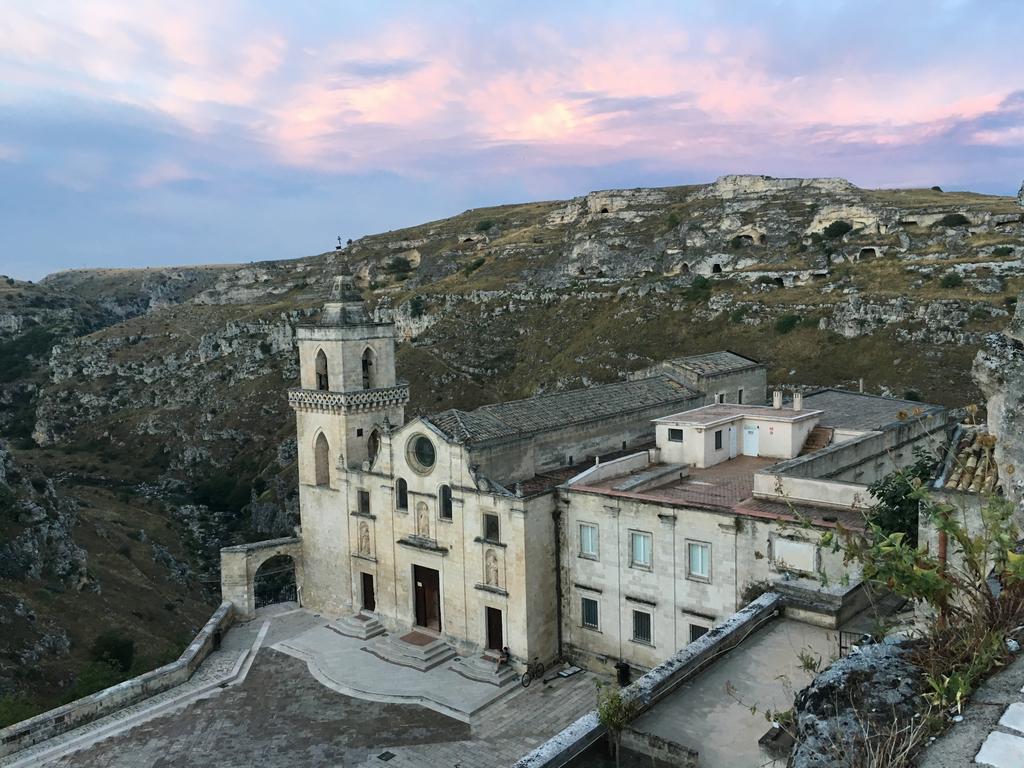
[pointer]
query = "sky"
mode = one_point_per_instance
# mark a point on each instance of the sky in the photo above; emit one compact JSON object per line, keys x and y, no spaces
{"x":138,"y":133}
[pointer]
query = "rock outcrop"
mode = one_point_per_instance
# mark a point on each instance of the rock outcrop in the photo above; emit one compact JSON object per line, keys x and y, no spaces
{"x":873,"y":690}
{"x":999,"y":371}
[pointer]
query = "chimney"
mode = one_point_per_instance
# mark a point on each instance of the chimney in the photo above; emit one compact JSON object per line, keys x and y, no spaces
{"x":777,"y":399}
{"x":798,"y":401}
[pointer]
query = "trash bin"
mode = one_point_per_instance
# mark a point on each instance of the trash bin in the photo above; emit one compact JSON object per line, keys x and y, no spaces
{"x":623,"y":672}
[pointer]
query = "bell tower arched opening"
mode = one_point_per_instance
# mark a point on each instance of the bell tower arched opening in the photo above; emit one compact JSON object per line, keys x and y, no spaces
{"x":322,"y":382}
{"x":322,"y":460}
{"x":369,"y":374}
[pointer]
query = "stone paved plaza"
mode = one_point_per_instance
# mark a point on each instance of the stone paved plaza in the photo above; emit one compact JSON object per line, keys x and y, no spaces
{"x":278,"y":714}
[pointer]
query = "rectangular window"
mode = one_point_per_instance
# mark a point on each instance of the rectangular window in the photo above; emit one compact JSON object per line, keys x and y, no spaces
{"x":588,"y":540}
{"x":364,"y":502}
{"x":492,"y":530}
{"x":588,"y":608}
{"x":739,"y":395}
{"x":675,"y":435}
{"x":639,"y":549}
{"x":718,"y":439}
{"x":698,"y":560}
{"x":446,"y":502}
{"x":697,"y":632}
{"x":720,"y":398}
{"x":642,"y":627}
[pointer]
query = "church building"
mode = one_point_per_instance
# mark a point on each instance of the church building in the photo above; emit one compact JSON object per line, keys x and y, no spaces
{"x":448,"y":523}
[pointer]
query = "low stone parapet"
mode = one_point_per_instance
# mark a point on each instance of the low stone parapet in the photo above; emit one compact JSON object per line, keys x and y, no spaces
{"x":81,"y":711}
{"x":659,"y":682}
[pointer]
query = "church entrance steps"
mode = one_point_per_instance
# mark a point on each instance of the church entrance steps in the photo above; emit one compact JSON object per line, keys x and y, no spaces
{"x":481,"y":669}
{"x":347,"y":665}
{"x":363,"y":626}
{"x":413,"y":649}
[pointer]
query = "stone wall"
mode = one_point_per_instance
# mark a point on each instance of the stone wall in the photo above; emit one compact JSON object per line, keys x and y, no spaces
{"x":56,"y":721}
{"x":659,"y":682}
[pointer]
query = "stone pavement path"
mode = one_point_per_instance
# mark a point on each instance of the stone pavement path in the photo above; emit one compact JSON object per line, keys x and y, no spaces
{"x":992,"y":731}
{"x":277,"y":714}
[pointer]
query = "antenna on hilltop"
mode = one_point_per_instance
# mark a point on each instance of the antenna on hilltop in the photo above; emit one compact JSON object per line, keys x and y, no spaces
{"x":338,"y":246}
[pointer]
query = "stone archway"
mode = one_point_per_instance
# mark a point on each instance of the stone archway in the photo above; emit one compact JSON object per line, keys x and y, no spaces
{"x":274,"y":581}
{"x":240,"y":565}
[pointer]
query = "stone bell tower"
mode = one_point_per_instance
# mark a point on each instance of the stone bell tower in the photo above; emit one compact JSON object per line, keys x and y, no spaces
{"x":348,"y":388}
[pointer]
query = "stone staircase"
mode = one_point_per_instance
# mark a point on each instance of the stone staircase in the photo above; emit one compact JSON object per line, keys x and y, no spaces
{"x":363,"y":626}
{"x":481,"y":669}
{"x":819,"y":438}
{"x":413,"y":649}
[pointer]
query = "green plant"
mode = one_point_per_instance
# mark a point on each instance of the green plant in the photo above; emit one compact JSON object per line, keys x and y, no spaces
{"x":417,"y":306}
{"x":399,"y":266}
{"x":897,"y":504}
{"x":786,"y":323}
{"x":837,"y":229}
{"x":15,"y":707}
{"x":614,"y":711}
{"x":474,"y":265}
{"x":672,"y":221}
{"x":951,"y":280}
{"x":912,"y":394}
{"x":737,"y":315}
{"x":1002,"y":250}
{"x":95,"y":676}
{"x":700,"y":289}
{"x":953,"y":220}
{"x":484,"y":225}
{"x":114,"y":648}
{"x":955,"y":580}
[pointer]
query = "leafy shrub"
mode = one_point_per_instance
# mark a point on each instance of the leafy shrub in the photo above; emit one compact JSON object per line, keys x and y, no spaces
{"x":95,"y":676}
{"x":786,"y":323}
{"x":1002,"y":250}
{"x":417,"y":306}
{"x":399,"y":266}
{"x":15,"y":707}
{"x":953,"y":220}
{"x":700,"y":289}
{"x":737,"y":315}
{"x":936,"y":189}
{"x":113,"y":648}
{"x":15,"y":354}
{"x":951,"y":280}
{"x":474,"y":265}
{"x":897,"y":507}
{"x":837,"y":229}
{"x":672,"y":221}
{"x":485,"y":225}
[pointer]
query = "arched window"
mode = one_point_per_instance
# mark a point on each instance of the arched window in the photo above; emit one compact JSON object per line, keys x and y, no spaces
{"x":373,"y":445}
{"x":321,"y":370}
{"x":446,"y":502}
{"x":322,"y":460}
{"x":368,"y":378}
{"x":402,"y":494}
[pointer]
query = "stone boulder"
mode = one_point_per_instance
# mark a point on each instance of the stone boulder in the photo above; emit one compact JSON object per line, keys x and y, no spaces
{"x":872,"y":688}
{"x":1020,"y":195}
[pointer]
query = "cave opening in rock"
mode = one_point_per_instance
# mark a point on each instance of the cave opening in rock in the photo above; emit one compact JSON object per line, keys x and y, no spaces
{"x":716,"y":269}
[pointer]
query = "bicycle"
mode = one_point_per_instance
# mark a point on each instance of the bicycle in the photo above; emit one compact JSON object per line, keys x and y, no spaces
{"x":534,"y":671}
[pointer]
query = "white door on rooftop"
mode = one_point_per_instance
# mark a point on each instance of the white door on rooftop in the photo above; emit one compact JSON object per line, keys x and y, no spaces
{"x":732,"y":442}
{"x":750,"y":435}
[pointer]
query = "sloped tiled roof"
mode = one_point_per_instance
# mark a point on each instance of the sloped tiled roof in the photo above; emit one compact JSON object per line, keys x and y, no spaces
{"x":713,"y":363}
{"x":549,"y":412}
